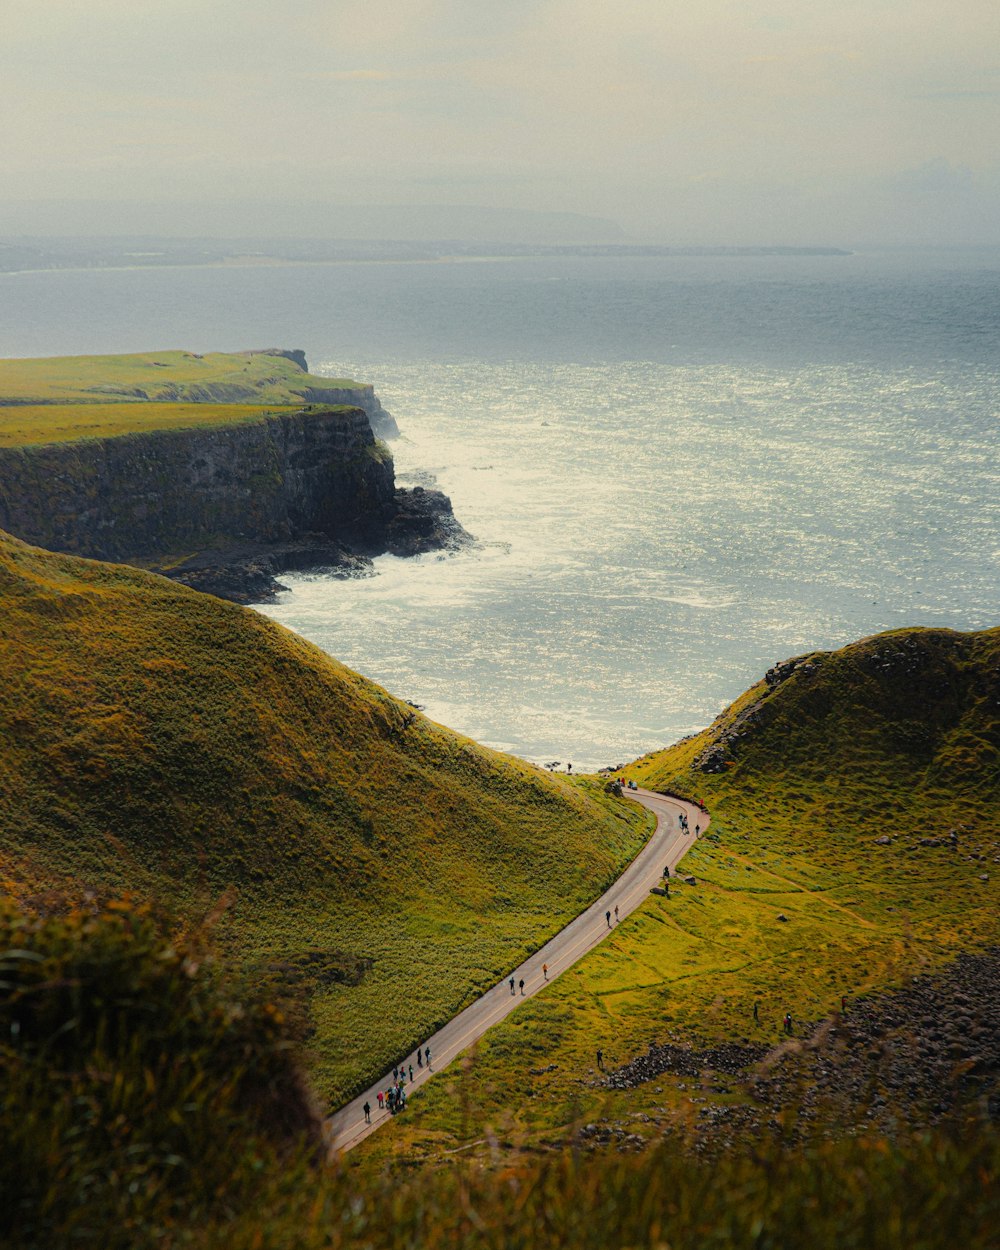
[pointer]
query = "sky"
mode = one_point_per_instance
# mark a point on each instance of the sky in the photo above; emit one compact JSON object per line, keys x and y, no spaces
{"x":684,"y":121}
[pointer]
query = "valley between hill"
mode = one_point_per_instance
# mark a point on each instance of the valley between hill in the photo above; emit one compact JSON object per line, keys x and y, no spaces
{"x":163,"y":742}
{"x":310,"y":863}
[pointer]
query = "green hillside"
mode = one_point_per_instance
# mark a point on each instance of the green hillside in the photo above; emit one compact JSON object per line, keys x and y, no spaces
{"x":166,"y":742}
{"x":797,"y":900}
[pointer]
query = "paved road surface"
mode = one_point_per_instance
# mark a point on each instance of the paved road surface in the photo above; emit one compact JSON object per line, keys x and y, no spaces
{"x":668,"y":843}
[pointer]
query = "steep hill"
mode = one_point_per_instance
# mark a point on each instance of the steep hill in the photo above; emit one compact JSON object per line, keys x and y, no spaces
{"x":855,"y":842}
{"x":163,"y":741}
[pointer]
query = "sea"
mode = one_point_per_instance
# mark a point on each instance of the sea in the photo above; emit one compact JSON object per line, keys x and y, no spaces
{"x":677,"y":470}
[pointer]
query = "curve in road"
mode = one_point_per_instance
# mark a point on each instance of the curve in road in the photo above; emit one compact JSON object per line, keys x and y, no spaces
{"x":347,"y":1127}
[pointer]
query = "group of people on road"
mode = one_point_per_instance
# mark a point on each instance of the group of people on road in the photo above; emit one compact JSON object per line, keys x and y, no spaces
{"x":393,"y":1099}
{"x":685,"y":827}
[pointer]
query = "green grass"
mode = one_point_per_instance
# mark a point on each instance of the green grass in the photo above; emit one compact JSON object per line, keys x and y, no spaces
{"x":168,"y":743}
{"x":157,"y":375}
{"x":151,"y":1100}
{"x":24,"y":425}
{"x":831,"y":761}
{"x":135,"y":393}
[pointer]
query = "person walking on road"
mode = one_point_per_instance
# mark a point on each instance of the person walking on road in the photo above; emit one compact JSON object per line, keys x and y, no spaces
{"x":512,"y":985}
{"x":367,"y":1109}
{"x":380,"y":1099}
{"x":545,"y":971}
{"x":607,"y":917}
{"x":521,"y":983}
{"x":411,"y":1073}
{"x":616,"y":913}
{"x":427,"y":1055}
{"x":420,"y":1058}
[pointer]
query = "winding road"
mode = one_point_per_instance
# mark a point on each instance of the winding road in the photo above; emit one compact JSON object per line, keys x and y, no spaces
{"x":666,"y":846}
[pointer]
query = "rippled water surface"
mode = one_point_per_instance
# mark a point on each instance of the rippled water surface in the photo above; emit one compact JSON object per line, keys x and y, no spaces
{"x":652,"y":537}
{"x":677,"y":471}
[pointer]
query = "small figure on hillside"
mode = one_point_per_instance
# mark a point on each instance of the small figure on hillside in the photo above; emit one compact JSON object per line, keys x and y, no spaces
{"x":843,"y":1004}
{"x":545,"y":971}
{"x":616,"y":913}
{"x":607,"y":917}
{"x":368,"y":1112}
{"x":427,"y":1055}
{"x":600,"y":1059}
{"x":788,"y":1022}
{"x":756,"y":1013}
{"x":521,"y":984}
{"x":569,"y":768}
{"x":512,"y":985}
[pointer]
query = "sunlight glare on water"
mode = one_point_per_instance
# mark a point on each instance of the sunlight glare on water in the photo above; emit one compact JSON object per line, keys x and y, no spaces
{"x":651,"y":538}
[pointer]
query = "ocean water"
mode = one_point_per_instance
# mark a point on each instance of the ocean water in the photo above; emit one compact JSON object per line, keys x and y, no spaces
{"x":677,"y":471}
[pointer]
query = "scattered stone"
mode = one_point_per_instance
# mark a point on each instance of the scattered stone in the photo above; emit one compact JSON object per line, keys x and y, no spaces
{"x":782,"y":917}
{"x":884,"y":840}
{"x":690,"y":881}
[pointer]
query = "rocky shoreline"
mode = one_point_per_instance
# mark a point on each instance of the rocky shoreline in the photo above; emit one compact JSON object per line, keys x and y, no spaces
{"x":418,"y":521}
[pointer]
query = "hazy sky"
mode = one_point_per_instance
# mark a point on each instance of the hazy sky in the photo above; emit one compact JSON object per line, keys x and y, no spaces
{"x":688,"y":121}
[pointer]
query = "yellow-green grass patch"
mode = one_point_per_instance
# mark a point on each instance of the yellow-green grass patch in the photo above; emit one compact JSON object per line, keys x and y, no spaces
{"x":24,"y":425}
{"x":163,"y":375}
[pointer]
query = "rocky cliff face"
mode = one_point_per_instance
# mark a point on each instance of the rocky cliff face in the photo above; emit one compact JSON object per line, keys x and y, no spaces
{"x":238,"y":502}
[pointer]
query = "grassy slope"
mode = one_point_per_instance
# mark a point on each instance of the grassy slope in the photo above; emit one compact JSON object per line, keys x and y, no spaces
{"x":24,"y":425}
{"x":174,"y":744}
{"x":33,"y":392}
{"x":898,"y":735}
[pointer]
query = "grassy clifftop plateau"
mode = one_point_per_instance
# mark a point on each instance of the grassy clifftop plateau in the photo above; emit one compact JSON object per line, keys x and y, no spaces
{"x":67,"y":398}
{"x":855,"y":842}
{"x":167,"y":376}
{"x":33,"y":425}
{"x":162,"y":741}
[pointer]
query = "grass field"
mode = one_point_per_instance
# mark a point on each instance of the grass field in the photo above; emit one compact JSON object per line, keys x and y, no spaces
{"x":65,"y":398}
{"x":24,"y":425}
{"x":151,"y":376}
{"x":897,"y":736}
{"x":168,"y":743}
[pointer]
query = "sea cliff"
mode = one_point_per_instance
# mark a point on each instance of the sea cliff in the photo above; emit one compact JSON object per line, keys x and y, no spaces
{"x":225,"y":508}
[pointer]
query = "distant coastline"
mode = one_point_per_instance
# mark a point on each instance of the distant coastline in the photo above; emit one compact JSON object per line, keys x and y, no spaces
{"x":23,"y":256}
